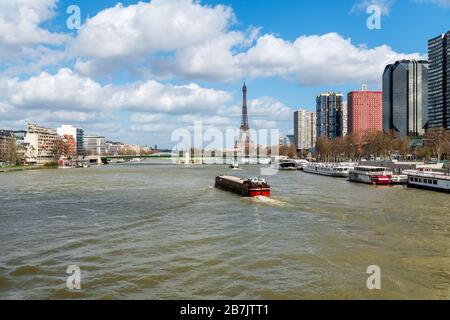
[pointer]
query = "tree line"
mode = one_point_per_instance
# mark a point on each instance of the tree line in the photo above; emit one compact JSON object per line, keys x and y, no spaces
{"x":385,"y":145}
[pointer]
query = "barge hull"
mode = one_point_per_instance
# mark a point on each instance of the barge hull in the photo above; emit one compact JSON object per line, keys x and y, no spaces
{"x":242,"y":187}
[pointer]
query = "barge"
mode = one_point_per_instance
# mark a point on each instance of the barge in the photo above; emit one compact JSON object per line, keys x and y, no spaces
{"x":252,"y":187}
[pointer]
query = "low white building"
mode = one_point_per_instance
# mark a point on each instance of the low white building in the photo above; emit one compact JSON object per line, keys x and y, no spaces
{"x":95,"y":145}
{"x":42,"y":144}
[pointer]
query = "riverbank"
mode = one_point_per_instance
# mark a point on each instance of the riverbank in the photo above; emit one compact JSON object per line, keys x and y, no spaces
{"x":25,"y":168}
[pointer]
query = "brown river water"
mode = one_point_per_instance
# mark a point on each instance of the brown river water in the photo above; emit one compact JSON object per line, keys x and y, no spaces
{"x":159,"y":231}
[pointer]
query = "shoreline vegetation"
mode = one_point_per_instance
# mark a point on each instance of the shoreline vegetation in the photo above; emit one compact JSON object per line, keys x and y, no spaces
{"x":7,"y":169}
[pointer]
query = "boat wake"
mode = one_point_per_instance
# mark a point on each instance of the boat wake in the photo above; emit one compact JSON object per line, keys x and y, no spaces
{"x":270,"y":201}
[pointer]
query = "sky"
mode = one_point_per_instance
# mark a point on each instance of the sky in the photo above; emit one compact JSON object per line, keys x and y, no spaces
{"x":136,"y":71}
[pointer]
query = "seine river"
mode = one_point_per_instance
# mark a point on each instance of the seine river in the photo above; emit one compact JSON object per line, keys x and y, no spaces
{"x":148,"y":231}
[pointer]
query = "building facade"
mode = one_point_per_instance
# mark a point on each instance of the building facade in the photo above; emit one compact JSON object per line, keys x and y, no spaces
{"x":365,"y":112}
{"x":69,"y":146}
{"x":344,"y":118}
{"x":76,"y":133}
{"x":42,"y":143}
{"x":439,"y":81}
{"x":405,"y":97}
{"x":6,"y":138}
{"x":95,"y":145}
{"x":330,"y":115}
{"x":304,"y":129}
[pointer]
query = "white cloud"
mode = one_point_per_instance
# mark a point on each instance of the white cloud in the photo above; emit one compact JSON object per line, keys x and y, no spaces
{"x":156,"y":97}
{"x":146,"y":118}
{"x":144,"y":28}
{"x":362,"y":5}
{"x":328,"y":59}
{"x":67,"y":90}
{"x":184,"y":39}
{"x":63,"y":90}
{"x":20,"y":27}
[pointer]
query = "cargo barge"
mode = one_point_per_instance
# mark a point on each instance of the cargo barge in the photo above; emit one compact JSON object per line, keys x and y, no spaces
{"x":252,"y":187}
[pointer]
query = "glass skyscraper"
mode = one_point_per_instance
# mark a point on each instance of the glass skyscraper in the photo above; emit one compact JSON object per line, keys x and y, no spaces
{"x":438,"y":81}
{"x":405,"y":97}
{"x":330,"y":117}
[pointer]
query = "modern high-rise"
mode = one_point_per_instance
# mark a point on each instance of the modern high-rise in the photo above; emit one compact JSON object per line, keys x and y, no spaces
{"x":76,"y":133}
{"x":95,"y":145}
{"x":344,"y":118}
{"x":365,"y":112}
{"x":304,"y":129}
{"x":439,"y":81}
{"x":330,"y":115}
{"x":405,"y":97}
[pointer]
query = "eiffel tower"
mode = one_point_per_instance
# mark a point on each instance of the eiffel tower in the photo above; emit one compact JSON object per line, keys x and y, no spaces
{"x":245,"y":140}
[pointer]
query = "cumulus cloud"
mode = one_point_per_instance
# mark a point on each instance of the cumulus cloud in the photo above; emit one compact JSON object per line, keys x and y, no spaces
{"x":179,"y":23}
{"x":20,"y":28}
{"x":325,"y":59}
{"x":68,"y":90}
{"x":187,"y":40}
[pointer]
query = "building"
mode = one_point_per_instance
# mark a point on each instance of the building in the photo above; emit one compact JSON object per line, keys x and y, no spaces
{"x":365,"y":112}
{"x":344,"y":118}
{"x":43,"y":144}
{"x":439,"y":81}
{"x":20,"y":136}
{"x":114,"y":148}
{"x":291,"y":139}
{"x":95,"y":145}
{"x":405,"y":97}
{"x":6,"y":137}
{"x":69,"y":146}
{"x":304,"y":129}
{"x":76,"y":133}
{"x":329,"y":115}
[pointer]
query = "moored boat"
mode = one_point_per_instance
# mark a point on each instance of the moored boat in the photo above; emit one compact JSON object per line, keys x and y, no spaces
{"x":371,"y":175}
{"x":399,"y":179}
{"x":234,"y":165}
{"x":252,"y":187}
{"x":329,"y":169}
{"x":288,"y":165}
{"x":429,"y":180}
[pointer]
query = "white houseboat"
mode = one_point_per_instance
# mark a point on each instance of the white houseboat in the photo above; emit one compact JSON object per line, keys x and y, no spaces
{"x":371,"y":175}
{"x":437,"y":181}
{"x":329,"y":169}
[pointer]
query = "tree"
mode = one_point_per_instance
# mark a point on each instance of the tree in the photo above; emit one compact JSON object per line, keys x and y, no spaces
{"x":437,"y":139}
{"x":10,"y":152}
{"x":323,"y":149}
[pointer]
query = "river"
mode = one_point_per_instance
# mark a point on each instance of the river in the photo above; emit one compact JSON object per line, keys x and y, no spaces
{"x":159,"y":231}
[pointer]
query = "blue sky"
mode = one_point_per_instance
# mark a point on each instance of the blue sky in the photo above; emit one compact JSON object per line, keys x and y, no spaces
{"x":132,"y":73}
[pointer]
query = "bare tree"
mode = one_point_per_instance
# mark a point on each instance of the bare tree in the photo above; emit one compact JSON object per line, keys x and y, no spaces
{"x":437,"y":139}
